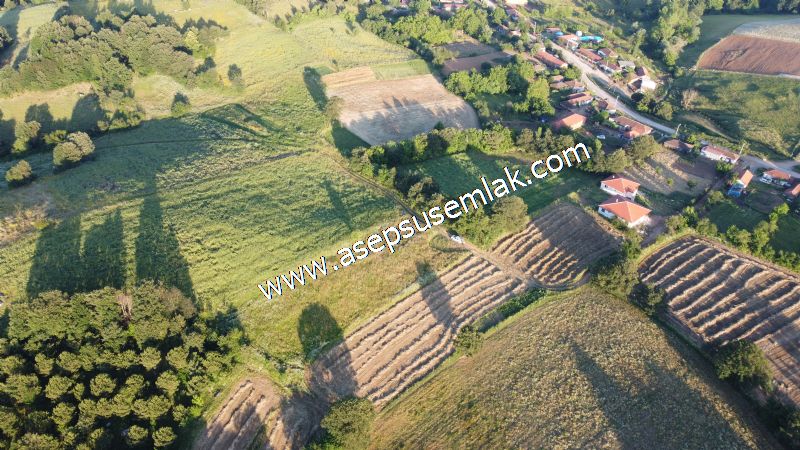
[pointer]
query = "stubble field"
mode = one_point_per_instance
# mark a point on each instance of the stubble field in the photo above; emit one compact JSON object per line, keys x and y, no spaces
{"x":756,"y":55}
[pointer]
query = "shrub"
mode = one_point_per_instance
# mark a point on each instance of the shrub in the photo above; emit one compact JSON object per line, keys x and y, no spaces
{"x":347,"y":424}
{"x":468,"y":340}
{"x":78,"y":147}
{"x":180,"y":105}
{"x":746,"y":362}
{"x":19,"y":174}
{"x":649,"y":298}
{"x":26,"y":135}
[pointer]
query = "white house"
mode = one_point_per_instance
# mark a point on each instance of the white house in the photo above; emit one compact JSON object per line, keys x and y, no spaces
{"x":776,"y":176}
{"x":625,"y":210}
{"x":719,"y":154}
{"x":623,"y":187}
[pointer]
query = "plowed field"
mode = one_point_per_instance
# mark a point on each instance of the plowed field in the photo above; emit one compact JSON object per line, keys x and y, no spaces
{"x":748,"y":54}
{"x":557,"y":247}
{"x":716,"y":295}
{"x":378,"y":111}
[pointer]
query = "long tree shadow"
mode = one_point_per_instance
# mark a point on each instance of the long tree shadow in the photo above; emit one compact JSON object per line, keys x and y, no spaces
{"x":10,"y":21}
{"x":158,"y":253}
{"x":104,"y":255}
{"x":638,"y":418}
{"x":436,"y":296}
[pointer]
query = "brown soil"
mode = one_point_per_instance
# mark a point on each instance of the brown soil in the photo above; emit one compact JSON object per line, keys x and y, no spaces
{"x":379,"y":111}
{"x":557,"y":247}
{"x":748,"y":54}
{"x":715,"y":295}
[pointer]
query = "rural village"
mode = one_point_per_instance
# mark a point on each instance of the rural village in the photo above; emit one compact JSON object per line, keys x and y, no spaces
{"x":163,"y":158}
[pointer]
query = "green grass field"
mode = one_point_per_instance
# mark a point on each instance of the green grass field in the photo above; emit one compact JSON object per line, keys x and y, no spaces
{"x":764,"y":110}
{"x":717,"y":26}
{"x":461,"y":173}
{"x":555,"y":377}
{"x":401,"y":69}
{"x":786,"y":238}
{"x":727,"y":213}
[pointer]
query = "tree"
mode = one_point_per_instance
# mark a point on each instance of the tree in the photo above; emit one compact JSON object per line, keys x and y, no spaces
{"x":235,"y":75}
{"x":180,"y":104}
{"x":642,"y":148}
{"x":163,"y":436}
{"x":746,"y":362}
{"x":26,"y":135}
{"x":76,"y":148}
{"x":19,"y":174}
{"x":511,"y":213}
{"x":688,"y":98}
{"x":347,"y":424}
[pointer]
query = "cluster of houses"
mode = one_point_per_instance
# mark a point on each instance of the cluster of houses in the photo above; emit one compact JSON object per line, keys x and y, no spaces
{"x":606,"y":59}
{"x":621,"y":205}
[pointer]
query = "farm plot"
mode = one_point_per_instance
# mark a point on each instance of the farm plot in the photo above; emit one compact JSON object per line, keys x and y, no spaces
{"x":715,"y":296}
{"x":579,"y":370}
{"x":557,"y":247}
{"x":657,"y":171}
{"x":787,"y":30}
{"x":474,"y":62}
{"x":378,"y":111}
{"x":749,"y":54}
{"x":378,"y":361}
{"x":468,"y":47}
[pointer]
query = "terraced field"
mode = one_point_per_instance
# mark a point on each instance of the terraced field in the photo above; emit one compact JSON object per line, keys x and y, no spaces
{"x":715,"y":295}
{"x":557,"y":247}
{"x":378,"y":361}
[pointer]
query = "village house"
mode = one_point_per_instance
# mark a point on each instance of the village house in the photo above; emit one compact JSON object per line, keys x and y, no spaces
{"x":630,"y":213}
{"x":559,"y":86}
{"x":641,"y":71}
{"x":620,"y":186}
{"x":743,"y":179}
{"x":552,"y":30}
{"x":793,"y":192}
{"x":609,"y":67}
{"x":569,"y":40}
{"x":606,"y":52}
{"x":677,"y":145}
{"x":556,"y":78}
{"x":776,"y":176}
{"x":550,"y":60}
{"x":575,"y":85}
{"x":572,"y":121}
{"x":606,"y":106}
{"x":631,"y":128}
{"x":578,"y":99}
{"x":589,"y":55}
{"x":642,"y":84}
{"x":626,"y":65}
{"x":717,"y":153}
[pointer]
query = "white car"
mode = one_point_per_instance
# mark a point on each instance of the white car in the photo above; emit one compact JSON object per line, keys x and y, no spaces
{"x":457,"y":239}
{"x":602,"y":137}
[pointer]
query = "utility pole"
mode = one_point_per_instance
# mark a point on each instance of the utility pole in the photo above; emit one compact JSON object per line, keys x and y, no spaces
{"x":677,"y":130}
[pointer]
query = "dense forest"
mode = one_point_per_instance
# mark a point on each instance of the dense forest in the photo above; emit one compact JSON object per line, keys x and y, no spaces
{"x":107,"y":369}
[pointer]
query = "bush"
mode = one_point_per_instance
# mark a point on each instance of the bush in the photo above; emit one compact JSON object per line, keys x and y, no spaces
{"x":468,"y":340}
{"x":746,"y":362}
{"x":19,"y":174}
{"x":649,"y":298}
{"x":26,"y":135}
{"x":180,"y":105}
{"x":78,"y":147}
{"x":347,"y":425}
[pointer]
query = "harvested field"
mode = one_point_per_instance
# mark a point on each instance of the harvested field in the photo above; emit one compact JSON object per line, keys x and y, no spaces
{"x":748,"y":54}
{"x":253,"y":406}
{"x":378,"y":111}
{"x":715,"y":295}
{"x":378,"y":361}
{"x":557,"y":247}
{"x":474,"y":62}
{"x":666,"y":165}
{"x":581,"y":369}
{"x":785,"y":30}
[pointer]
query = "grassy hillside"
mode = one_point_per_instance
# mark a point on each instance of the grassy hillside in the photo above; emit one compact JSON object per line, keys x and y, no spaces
{"x":762,"y":109}
{"x":559,"y":377}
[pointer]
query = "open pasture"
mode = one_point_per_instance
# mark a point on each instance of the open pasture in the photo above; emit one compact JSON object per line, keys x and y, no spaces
{"x":756,"y":55}
{"x":577,"y":370}
{"x":475,"y":62}
{"x":378,"y":111}
{"x":715,"y":295}
{"x":655,"y":173}
{"x":558,"y":246}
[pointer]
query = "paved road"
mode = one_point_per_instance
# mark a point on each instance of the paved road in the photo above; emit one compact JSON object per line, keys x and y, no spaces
{"x":753,"y":161}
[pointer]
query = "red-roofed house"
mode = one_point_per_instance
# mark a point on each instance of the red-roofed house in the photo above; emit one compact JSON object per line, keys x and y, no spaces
{"x":575,"y":85}
{"x":569,"y":40}
{"x":572,"y":121}
{"x":631,"y":128}
{"x":579,"y":99}
{"x":620,"y":207}
{"x":589,"y":55}
{"x":793,"y":192}
{"x":559,"y":85}
{"x":719,"y":153}
{"x":606,"y":52}
{"x":623,"y":187}
{"x":743,"y":179}
{"x":776,"y":176}
{"x":550,"y":60}
{"x":674,"y":144}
